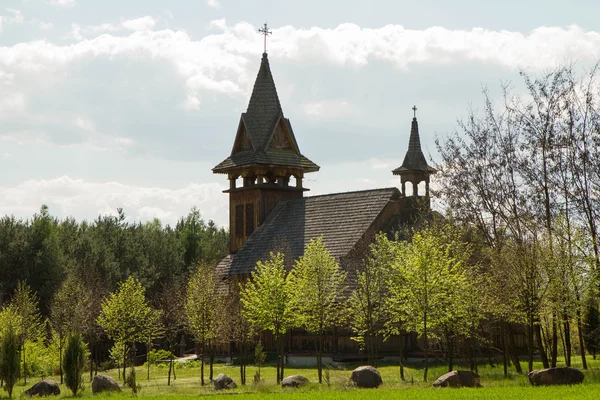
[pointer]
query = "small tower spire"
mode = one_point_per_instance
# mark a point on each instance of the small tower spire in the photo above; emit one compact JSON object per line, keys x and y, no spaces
{"x":414,"y":169}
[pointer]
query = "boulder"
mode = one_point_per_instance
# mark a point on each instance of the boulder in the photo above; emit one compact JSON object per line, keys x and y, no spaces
{"x":366,"y":377}
{"x":456,"y":379}
{"x":222,"y":381}
{"x":103,"y":383}
{"x":556,"y":376}
{"x":47,"y":387}
{"x":294,"y":381}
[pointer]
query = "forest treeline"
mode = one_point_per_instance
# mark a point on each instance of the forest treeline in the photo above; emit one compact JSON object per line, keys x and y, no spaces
{"x":43,"y":251}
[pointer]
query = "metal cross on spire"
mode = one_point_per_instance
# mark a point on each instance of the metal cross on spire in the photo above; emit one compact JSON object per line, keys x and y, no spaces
{"x":265,"y":31}
{"x":415,"y":111}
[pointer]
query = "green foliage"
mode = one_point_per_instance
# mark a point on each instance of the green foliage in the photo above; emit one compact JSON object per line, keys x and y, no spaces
{"x":316,"y":285}
{"x":131,"y":382}
{"x":126,"y":316}
{"x":367,"y":310}
{"x":155,"y":355}
{"x":266,"y":296}
{"x":201,"y":304}
{"x":73,"y":363}
{"x":10,"y":367}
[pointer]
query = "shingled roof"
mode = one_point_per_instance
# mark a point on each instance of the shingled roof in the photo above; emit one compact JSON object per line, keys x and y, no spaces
{"x":414,"y":159}
{"x":259,"y":121}
{"x":341,"y":218}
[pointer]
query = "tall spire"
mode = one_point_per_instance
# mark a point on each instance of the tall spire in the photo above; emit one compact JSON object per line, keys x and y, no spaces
{"x":264,"y":108}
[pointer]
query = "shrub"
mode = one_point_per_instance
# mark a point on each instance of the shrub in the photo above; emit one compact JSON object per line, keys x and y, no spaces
{"x":159,"y":354}
{"x":10,"y":359}
{"x":130,"y":381}
{"x":74,"y":362}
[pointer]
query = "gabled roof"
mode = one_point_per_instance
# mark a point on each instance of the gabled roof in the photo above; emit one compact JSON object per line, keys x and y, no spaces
{"x":341,"y":218}
{"x":259,"y":123}
{"x":414,"y":158}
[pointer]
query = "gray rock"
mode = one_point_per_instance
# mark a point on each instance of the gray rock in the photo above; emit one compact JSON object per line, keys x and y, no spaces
{"x":294,"y":381}
{"x":47,"y":387}
{"x":556,"y":376}
{"x":458,"y":379}
{"x":366,"y":376}
{"x":103,"y":383}
{"x":222,"y":381}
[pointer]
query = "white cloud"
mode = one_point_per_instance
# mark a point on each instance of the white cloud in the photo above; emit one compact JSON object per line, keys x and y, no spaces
{"x":191,"y":103}
{"x":15,"y":17}
{"x":139,"y":24}
{"x":328,"y":109}
{"x":83,"y":123}
{"x":45,"y":25}
{"x":63,"y":3}
{"x":213,"y":3}
{"x":82,"y":199}
{"x":12,"y":103}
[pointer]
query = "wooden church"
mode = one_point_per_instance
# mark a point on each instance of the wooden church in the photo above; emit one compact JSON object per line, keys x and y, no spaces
{"x":268,"y":211}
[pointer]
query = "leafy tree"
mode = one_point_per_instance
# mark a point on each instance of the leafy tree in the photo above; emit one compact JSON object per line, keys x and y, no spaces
{"x":74,"y":362}
{"x":126,"y":316}
{"x":266,"y":298}
{"x":368,"y":311}
{"x":201,"y":306}
{"x":427,"y":279}
{"x":9,"y":359}
{"x":68,"y":312}
{"x":316,"y":286}
{"x":32,"y":328}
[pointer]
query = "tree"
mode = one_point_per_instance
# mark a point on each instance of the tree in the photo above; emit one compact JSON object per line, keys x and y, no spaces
{"x":368,"y":312}
{"x":73,"y":362}
{"x":9,"y":359}
{"x":68,"y":312}
{"x":201,"y":306}
{"x":266,"y":298}
{"x":316,"y":285}
{"x":32,"y":328}
{"x":427,"y":279}
{"x":127,"y":318}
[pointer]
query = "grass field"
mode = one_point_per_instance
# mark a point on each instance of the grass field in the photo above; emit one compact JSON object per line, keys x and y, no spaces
{"x":496,"y":386}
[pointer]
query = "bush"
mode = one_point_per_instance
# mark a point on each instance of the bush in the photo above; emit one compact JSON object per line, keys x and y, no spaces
{"x":10,"y":359}
{"x":74,"y":362}
{"x":159,"y":354}
{"x":131,"y":381}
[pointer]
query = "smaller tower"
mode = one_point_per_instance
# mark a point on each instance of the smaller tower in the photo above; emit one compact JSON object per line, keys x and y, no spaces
{"x":414,"y":169}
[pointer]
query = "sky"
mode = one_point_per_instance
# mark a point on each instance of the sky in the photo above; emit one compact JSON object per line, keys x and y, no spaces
{"x":112,"y":103}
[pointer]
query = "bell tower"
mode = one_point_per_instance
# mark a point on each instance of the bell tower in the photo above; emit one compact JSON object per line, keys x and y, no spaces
{"x":264,"y":158}
{"x":414,"y":169}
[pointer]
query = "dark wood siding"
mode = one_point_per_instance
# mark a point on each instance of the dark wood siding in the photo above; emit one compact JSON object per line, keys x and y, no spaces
{"x":239,"y":220}
{"x":249,"y":218}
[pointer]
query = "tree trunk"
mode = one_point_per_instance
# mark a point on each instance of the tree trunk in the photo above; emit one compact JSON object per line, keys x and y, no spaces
{"x":170,"y":369}
{"x":449,"y":351}
{"x":401,"y":354}
{"x":554,"y":349}
{"x":530,"y":345}
{"x":202,"y":351}
{"x":426,"y":348}
{"x":319,"y":354}
{"x":581,"y":343}
{"x":24,"y":366}
{"x":503,"y":344}
{"x":513,"y":349}
{"x":567,"y":328}
{"x":124,"y":362}
{"x":242,"y":377}
{"x":538,"y":335}
{"x":60,"y":356}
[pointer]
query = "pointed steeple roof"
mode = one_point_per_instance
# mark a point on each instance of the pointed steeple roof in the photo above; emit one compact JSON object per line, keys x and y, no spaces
{"x":414,"y":158}
{"x":259,"y":126}
{"x":264,"y":108}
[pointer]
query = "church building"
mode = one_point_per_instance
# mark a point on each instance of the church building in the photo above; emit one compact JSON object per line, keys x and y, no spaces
{"x":270,"y":212}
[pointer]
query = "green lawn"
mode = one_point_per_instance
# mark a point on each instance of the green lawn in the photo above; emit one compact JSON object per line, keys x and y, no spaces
{"x":496,"y":386}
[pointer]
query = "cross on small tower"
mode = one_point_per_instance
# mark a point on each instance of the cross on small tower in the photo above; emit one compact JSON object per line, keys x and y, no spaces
{"x":265,"y":31}
{"x":415,"y":111}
